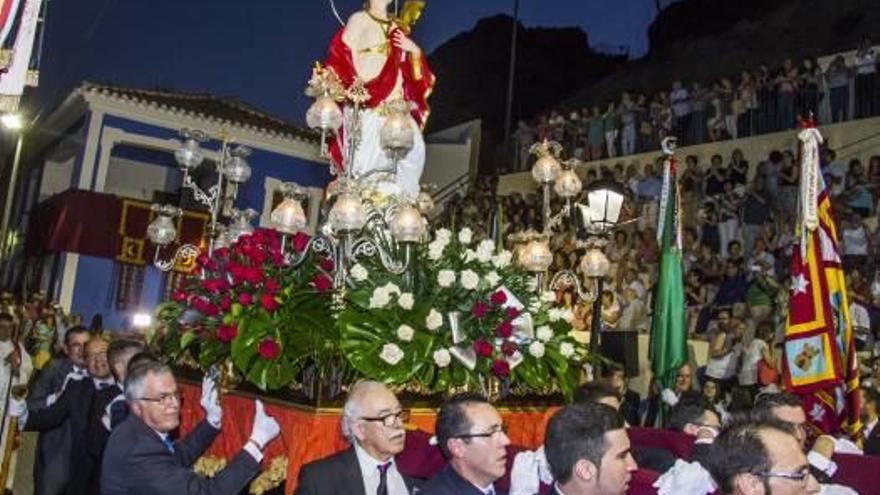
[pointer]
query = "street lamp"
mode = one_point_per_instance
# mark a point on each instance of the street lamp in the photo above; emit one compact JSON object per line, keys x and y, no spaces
{"x":13,"y":122}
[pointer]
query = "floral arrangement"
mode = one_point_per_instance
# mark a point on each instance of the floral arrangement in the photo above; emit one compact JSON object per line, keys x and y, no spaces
{"x":251,"y":306}
{"x":462,"y":316}
{"x":457,"y":321}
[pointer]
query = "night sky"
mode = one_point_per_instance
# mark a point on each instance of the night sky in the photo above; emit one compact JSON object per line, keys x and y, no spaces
{"x":262,"y":50}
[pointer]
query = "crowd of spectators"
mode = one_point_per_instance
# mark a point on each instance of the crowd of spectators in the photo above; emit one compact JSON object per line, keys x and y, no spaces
{"x":751,"y":103}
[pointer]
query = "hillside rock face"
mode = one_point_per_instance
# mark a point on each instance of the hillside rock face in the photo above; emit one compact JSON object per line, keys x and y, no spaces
{"x":472,"y":71}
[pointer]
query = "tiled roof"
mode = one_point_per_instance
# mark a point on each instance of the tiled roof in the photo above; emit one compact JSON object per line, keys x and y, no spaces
{"x":224,"y":110}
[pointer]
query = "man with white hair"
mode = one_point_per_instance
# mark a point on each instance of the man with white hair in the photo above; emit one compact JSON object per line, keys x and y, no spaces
{"x":372,"y":421}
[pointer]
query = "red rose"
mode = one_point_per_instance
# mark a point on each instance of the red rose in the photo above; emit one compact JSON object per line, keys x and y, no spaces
{"x":210,"y":310}
{"x":226,"y":333}
{"x":258,"y":257}
{"x":245,"y":299}
{"x":221,"y":253}
{"x":509,"y":348}
{"x":479,"y":310}
{"x":277,"y":258}
{"x":205,"y":262}
{"x":215,"y":285}
{"x":225,"y":303}
{"x":498,"y":298}
{"x":300,"y":241}
{"x":500,"y":368}
{"x":269,"y":349}
{"x":327,"y":264}
{"x":504,"y":330}
{"x":322,"y":283}
{"x":271,"y":285}
{"x":268,"y":302}
{"x":512,"y":313}
{"x":482,"y":348}
{"x":178,"y":296}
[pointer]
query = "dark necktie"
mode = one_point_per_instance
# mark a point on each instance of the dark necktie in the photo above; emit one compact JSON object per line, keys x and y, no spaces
{"x":118,"y":412}
{"x":169,"y":444}
{"x":103,"y":385}
{"x":383,"y":479}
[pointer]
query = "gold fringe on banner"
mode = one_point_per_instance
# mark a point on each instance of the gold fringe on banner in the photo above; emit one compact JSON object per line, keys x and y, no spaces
{"x":9,"y":103}
{"x":5,"y":58}
{"x":32,"y":78}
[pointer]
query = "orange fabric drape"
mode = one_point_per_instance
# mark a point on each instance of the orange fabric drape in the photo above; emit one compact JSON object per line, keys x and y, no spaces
{"x":308,"y":434}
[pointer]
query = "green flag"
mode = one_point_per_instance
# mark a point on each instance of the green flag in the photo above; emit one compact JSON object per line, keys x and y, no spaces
{"x":668,"y":347}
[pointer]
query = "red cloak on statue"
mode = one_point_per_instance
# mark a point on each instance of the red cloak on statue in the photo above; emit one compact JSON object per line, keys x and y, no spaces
{"x":416,"y":78}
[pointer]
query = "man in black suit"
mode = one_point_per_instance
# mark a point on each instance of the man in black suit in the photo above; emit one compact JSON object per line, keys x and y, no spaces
{"x":52,"y":463}
{"x":870,"y":409}
{"x":630,"y":400}
{"x":142,"y":459}
{"x":588,"y":450}
{"x":471,"y":437}
{"x":372,"y":421}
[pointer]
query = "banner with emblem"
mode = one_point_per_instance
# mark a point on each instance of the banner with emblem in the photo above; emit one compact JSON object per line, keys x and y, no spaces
{"x":20,"y":23}
{"x":820,"y":362}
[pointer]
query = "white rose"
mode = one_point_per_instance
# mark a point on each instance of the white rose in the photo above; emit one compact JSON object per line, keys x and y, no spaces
{"x":536,"y":349}
{"x":492,"y":278}
{"x":359,"y":273}
{"x":442,"y":358}
{"x":434,"y":320}
{"x":380,"y":298}
{"x":554,"y":314}
{"x":445,"y":278}
{"x":485,"y":250}
{"x":566,"y":315}
{"x":548,"y":296}
{"x":406,"y":301}
{"x":468,"y":255}
{"x":469,"y":279}
{"x":435,"y":251}
{"x":503,"y":259}
{"x":391,"y":354}
{"x":443,"y":235}
{"x":465,"y":236}
{"x":392,"y":289}
{"x":566,"y":349}
{"x":405,"y":333}
{"x":544,"y":333}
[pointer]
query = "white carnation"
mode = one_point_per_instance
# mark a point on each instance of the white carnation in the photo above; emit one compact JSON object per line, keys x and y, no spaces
{"x":434,"y":320}
{"x":544,"y":333}
{"x":391,"y":354}
{"x":445,"y":278}
{"x":442,"y":358}
{"x":548,"y":296}
{"x":406,"y":301}
{"x":503,"y":259}
{"x":566,"y":349}
{"x":485,"y":250}
{"x":536,"y":349}
{"x":492,"y":278}
{"x":359,"y":273}
{"x":380,"y":298}
{"x":469,"y":279}
{"x":566,"y":315}
{"x":405,"y":333}
{"x":468,"y":255}
{"x":556,"y":314}
{"x":465,"y":236}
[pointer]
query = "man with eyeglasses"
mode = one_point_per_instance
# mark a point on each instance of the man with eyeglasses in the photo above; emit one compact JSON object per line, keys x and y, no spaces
{"x":73,"y":407}
{"x":373,"y":423}
{"x":751,"y":458}
{"x":142,"y":459}
{"x":471,"y":437}
{"x":588,"y":451}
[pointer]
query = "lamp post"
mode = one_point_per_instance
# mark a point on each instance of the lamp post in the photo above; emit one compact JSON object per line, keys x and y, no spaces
{"x":14,"y":123}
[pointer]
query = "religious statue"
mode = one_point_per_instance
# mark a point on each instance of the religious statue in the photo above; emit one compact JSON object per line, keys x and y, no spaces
{"x":375,"y":49}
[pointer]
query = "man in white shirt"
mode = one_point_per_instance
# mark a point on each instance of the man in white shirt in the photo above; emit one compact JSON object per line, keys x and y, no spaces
{"x":15,"y":371}
{"x":373,"y":422}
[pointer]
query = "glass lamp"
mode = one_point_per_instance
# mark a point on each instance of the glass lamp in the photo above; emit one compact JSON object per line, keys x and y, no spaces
{"x":190,"y":155}
{"x":288,"y":217}
{"x":536,"y":256}
{"x":348,"y":213}
{"x":545,"y":169}
{"x":324,"y":114}
{"x":568,"y":184}
{"x":407,"y":224}
{"x":161,"y":231}
{"x":594,"y":264}
{"x":237,"y":169}
{"x":241,"y":223}
{"x":397,"y":136}
{"x":602,"y":211}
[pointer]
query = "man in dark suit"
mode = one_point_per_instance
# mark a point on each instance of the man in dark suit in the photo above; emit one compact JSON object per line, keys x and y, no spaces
{"x":74,"y":407}
{"x":870,"y":408}
{"x":142,"y":459}
{"x":372,"y":421}
{"x":471,"y":437}
{"x":588,"y":450}
{"x":629,"y":399}
{"x":52,"y":463}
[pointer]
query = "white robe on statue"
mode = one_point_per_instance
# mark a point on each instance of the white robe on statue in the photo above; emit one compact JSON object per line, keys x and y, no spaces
{"x":21,"y":378}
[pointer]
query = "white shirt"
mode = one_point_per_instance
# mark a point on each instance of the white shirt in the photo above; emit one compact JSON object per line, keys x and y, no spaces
{"x":859,"y":316}
{"x":370,"y":473}
{"x":748,"y":372}
{"x":869,"y":427}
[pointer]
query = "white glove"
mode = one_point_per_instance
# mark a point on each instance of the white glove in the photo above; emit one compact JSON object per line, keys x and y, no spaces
{"x":265,"y":427}
{"x":72,"y":376}
{"x":846,"y":446}
{"x":211,"y":403}
{"x":685,"y":477}
{"x":17,"y":408}
{"x":51,"y":399}
{"x":669,"y":397}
